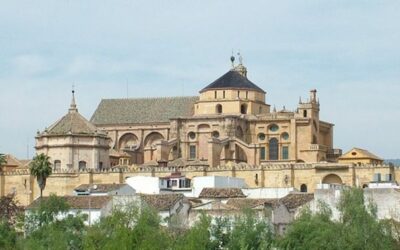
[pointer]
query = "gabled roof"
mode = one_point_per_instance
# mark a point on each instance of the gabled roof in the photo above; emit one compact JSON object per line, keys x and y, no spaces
{"x":233,"y":79}
{"x":12,"y":161}
{"x":221,"y":193}
{"x":161,"y":202}
{"x":78,"y":202}
{"x":358,"y":153}
{"x":143,"y":110}
{"x":295,"y":200}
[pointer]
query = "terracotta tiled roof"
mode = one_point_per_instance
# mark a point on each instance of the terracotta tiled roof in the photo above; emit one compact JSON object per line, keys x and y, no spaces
{"x":12,"y":161}
{"x":100,"y":188}
{"x":161,"y":202}
{"x":143,"y":110}
{"x":72,"y":123}
{"x":295,"y":200}
{"x":241,"y":203}
{"x":78,"y":202}
{"x":221,"y":193}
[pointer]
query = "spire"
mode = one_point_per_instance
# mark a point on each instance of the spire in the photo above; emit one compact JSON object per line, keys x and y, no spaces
{"x":72,"y":107}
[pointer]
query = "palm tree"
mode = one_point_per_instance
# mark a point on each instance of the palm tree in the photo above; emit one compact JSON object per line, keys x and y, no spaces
{"x":3,"y":161}
{"x":40,"y":167}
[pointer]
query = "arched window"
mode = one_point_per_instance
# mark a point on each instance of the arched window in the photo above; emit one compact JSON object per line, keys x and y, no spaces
{"x":218,"y":109}
{"x":82,"y":165}
{"x":256,"y":179}
{"x":243,"y":109}
{"x":57,"y":165}
{"x":304,"y":113}
{"x":303,"y":188}
{"x":215,"y":94}
{"x":273,"y":149}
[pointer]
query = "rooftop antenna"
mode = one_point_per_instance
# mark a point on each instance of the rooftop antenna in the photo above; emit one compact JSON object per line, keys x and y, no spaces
{"x":232,"y":60}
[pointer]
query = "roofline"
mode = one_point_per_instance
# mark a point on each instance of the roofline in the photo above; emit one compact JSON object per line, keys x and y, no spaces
{"x":232,"y":88}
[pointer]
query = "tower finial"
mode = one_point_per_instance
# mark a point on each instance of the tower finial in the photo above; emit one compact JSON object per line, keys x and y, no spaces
{"x":232,"y":60}
{"x":73,"y":104}
{"x":240,"y":58}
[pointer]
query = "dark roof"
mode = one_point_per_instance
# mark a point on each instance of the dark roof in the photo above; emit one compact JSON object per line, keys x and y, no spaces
{"x":100,"y":188}
{"x":161,"y":202}
{"x":72,"y":123}
{"x":241,"y":203}
{"x":78,"y":202}
{"x":221,"y":193}
{"x":143,"y":110}
{"x":233,"y":80}
{"x":295,"y":200}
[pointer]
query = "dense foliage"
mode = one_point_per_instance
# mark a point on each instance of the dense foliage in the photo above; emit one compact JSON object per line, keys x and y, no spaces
{"x":48,"y":226}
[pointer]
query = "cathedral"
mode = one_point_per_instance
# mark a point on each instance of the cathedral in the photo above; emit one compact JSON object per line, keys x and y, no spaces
{"x":230,"y":121}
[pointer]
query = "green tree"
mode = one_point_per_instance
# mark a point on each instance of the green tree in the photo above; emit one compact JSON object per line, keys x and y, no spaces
{"x":8,"y":236}
{"x":358,"y":227}
{"x":49,"y":227}
{"x":249,"y":232}
{"x":41,"y":168}
{"x":197,"y":237}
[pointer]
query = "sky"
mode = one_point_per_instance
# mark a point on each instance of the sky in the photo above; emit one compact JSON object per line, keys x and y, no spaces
{"x":348,"y":50}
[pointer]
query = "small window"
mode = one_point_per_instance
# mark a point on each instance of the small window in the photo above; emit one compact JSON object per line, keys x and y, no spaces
{"x":285,"y":152}
{"x":223,"y":94}
{"x":243,"y":109}
{"x":238,"y":94}
{"x":354,"y":153}
{"x":57,"y":165}
{"x":101,"y":165}
{"x":261,"y":136}
{"x":273,"y":128}
{"x":285,"y":136}
{"x":215,"y":94}
{"x":262,"y":153}
{"x":218,"y":109}
{"x":260,"y":110}
{"x":192,"y":135}
{"x":82,"y":165}
{"x":304,"y":113}
{"x":192,"y":152}
{"x":247,"y":94}
{"x":303,"y":188}
{"x":215,"y":134}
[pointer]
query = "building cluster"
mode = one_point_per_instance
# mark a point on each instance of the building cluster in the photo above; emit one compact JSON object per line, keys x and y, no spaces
{"x":217,"y":152}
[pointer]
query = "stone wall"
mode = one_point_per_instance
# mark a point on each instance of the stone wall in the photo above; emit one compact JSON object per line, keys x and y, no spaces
{"x":267,"y":175}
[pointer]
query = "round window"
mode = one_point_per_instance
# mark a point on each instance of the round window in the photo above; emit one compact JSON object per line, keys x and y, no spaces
{"x":285,"y":136}
{"x":274,"y":128}
{"x":192,"y":135}
{"x":261,"y":136}
{"x":353,"y":153}
{"x":215,"y":134}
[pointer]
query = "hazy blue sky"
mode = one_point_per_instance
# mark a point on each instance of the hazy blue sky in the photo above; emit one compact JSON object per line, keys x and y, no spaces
{"x":348,"y":50}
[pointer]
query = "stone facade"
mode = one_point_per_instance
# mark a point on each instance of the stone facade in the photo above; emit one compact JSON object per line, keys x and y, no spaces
{"x":229,"y":122}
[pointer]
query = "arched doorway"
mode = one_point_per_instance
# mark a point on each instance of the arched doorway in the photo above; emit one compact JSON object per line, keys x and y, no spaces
{"x":303,"y":188}
{"x":332,"y":179}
